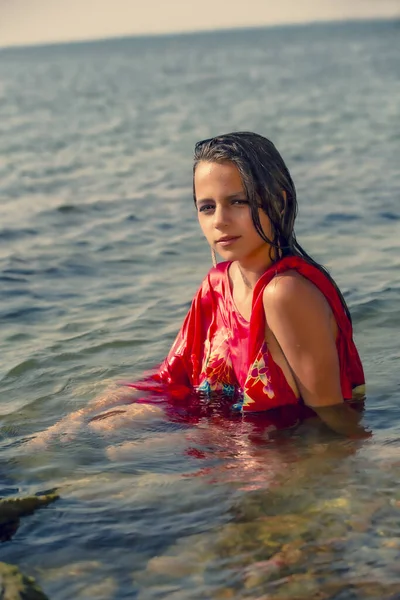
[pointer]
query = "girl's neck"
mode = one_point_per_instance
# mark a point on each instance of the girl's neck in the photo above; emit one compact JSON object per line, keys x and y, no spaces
{"x":251,"y":271}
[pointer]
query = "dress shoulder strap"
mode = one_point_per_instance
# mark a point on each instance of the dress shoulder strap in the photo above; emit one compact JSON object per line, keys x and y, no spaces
{"x":308,"y":271}
{"x":351,"y":371}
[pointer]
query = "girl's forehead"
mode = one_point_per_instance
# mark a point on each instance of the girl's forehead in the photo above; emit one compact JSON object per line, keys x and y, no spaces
{"x":217,"y":173}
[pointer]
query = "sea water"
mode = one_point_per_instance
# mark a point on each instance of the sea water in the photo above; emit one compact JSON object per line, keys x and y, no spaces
{"x":100,"y":255}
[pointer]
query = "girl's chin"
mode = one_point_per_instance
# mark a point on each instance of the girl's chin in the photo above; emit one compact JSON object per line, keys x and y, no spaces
{"x":256,"y":258}
{"x":229,"y":255}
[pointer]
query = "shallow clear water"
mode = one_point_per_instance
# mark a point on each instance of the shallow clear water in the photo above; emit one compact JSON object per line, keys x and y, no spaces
{"x":100,"y":255}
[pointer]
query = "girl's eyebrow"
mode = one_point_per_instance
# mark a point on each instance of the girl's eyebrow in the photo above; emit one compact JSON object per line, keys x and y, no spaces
{"x":230,"y":197}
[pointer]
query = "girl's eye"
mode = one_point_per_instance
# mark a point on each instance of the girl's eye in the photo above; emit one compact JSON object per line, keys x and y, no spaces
{"x":206,"y":207}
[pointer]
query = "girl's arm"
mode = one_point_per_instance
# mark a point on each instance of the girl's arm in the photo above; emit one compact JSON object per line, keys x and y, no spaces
{"x":301,"y":320}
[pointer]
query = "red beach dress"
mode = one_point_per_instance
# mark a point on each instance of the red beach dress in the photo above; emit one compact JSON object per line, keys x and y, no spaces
{"x":218,"y":351}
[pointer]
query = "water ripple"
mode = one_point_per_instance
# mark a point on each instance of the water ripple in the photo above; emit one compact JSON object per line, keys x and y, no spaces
{"x":100,"y":255}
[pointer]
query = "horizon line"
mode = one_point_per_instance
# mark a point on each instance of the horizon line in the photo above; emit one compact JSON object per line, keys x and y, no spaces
{"x":191,"y":32}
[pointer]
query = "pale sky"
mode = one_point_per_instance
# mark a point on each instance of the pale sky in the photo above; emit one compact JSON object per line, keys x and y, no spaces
{"x":41,"y":21}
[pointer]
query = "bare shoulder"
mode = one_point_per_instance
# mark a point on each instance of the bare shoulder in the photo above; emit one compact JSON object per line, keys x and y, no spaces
{"x":291,"y":288}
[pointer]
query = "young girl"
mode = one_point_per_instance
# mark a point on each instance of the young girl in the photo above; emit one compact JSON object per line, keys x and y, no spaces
{"x":268,"y":327}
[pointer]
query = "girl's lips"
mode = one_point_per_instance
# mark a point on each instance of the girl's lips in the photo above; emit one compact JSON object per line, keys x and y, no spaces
{"x":227,"y":241}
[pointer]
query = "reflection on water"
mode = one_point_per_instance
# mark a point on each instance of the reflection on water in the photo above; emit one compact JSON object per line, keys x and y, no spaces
{"x":204,"y":505}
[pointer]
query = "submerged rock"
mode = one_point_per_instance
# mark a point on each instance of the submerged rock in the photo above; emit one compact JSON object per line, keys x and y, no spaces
{"x":14,"y":585}
{"x":11,"y":509}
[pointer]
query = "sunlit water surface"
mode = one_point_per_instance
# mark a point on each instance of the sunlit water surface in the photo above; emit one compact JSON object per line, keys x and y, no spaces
{"x":100,"y":255}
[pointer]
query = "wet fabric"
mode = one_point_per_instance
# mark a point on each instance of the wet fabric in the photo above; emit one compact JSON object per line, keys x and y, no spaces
{"x":218,"y":352}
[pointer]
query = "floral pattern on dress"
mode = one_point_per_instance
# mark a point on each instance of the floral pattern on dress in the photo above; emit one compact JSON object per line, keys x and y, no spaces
{"x":258,"y":381}
{"x":217,"y":373}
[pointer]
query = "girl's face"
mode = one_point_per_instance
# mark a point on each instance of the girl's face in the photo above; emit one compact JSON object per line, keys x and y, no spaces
{"x":224,"y":213}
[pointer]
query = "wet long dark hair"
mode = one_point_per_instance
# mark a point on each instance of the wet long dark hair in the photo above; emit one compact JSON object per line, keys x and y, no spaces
{"x":265,"y":177}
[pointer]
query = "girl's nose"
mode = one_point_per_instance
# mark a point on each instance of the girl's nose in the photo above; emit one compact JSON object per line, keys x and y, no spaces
{"x":221,"y":216}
